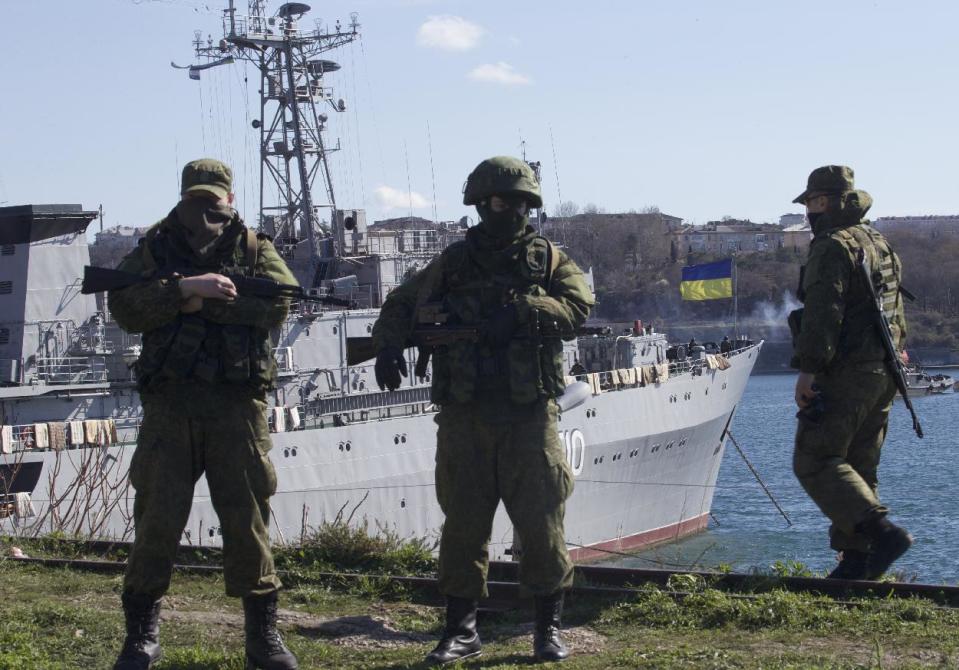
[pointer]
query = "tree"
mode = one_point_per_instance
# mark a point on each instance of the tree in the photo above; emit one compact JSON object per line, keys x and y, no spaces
{"x":566,"y":209}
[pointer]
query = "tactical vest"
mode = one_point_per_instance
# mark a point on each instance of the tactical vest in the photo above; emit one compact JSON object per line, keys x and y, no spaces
{"x":193,"y":349}
{"x":859,"y":339}
{"x":530,"y":367}
{"x":886,"y":271}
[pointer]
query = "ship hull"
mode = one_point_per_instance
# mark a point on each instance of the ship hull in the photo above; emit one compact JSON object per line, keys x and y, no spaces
{"x":645,"y":461}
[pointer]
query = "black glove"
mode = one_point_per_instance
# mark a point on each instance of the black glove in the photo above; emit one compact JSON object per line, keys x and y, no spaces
{"x":501,"y":326}
{"x":390,"y":364}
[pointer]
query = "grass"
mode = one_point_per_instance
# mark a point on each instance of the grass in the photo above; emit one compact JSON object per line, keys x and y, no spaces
{"x":53,"y":618}
{"x":58,"y":618}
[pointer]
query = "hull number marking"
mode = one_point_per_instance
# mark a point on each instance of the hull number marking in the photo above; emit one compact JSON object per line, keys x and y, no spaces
{"x":575,"y":444}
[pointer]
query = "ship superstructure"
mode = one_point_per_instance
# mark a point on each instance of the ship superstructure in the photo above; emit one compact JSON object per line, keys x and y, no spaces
{"x":645,"y":446}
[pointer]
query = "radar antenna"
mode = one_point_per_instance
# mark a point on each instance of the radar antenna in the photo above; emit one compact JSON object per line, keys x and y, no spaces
{"x":292,"y":148}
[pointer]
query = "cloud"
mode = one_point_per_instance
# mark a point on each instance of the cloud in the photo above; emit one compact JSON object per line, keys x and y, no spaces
{"x":451,"y":33}
{"x":391,"y":198}
{"x":501,"y":73}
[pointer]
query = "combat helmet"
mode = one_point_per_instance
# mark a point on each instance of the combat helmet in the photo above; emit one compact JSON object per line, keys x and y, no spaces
{"x":502,"y":174}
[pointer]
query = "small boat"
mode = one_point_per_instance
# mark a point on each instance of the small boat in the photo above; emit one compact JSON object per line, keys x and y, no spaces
{"x":920,"y":382}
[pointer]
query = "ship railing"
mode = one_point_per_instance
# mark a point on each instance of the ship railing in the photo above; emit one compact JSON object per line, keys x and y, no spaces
{"x":26,"y":438}
{"x":689,"y":366}
{"x":347,"y":409}
{"x":71,"y":370}
{"x":18,"y":438}
{"x":361,"y":297}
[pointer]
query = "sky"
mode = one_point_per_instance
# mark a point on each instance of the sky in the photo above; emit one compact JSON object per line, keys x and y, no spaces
{"x":703,"y":109}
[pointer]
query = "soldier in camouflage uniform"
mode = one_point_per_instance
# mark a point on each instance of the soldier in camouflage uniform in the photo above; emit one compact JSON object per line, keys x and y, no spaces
{"x":203,"y":374}
{"x":497,"y":437}
{"x":844,"y":390}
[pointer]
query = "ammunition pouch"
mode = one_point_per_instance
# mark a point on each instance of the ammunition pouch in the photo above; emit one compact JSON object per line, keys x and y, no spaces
{"x":236,"y":354}
{"x":192,"y":348}
{"x":814,"y":412}
{"x":794,"y":320}
{"x":448,"y":387}
{"x":182,"y":354}
{"x":529,"y":366}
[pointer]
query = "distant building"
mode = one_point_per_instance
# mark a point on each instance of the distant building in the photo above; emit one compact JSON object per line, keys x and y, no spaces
{"x":111,"y":245}
{"x":739,"y":236}
{"x":645,"y":220}
{"x":413,"y":234}
{"x":789,"y":220}
{"x":931,"y":226}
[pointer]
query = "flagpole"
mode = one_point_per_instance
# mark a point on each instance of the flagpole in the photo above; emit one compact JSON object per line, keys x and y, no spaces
{"x":735,"y":301}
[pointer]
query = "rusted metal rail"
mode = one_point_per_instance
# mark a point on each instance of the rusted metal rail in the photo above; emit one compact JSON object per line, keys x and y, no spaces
{"x":597,"y":580}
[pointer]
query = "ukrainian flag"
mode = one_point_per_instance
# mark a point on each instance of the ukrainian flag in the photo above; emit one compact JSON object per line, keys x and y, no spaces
{"x":708,"y":281}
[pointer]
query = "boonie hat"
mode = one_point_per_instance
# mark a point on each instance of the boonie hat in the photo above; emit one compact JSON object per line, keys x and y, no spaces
{"x":207,"y":174}
{"x":827,"y":180}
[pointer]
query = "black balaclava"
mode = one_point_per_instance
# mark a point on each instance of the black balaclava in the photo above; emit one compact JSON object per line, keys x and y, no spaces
{"x":506,"y":225}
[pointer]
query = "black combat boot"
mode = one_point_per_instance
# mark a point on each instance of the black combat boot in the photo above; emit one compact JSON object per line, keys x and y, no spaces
{"x":889,"y":542}
{"x":264,"y":646}
{"x":460,"y":639}
{"x":141,"y":649}
{"x":852,"y":565}
{"x":547,"y":643}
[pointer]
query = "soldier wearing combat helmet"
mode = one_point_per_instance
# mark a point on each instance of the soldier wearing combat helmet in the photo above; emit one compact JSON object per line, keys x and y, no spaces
{"x":844,"y":390}
{"x":497,"y":437}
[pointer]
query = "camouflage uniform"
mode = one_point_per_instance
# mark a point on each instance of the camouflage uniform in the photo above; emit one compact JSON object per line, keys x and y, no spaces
{"x":192,"y":426}
{"x":838,"y":441}
{"x":497,"y":437}
{"x":497,"y":434}
{"x":203,"y":377}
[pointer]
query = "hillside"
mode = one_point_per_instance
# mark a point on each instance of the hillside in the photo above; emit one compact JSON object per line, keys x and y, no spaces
{"x":637,"y":276}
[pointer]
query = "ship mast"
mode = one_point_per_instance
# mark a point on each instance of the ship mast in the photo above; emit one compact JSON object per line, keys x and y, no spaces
{"x":293,"y":97}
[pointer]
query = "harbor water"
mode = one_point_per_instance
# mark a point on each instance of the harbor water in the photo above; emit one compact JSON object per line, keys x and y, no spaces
{"x":917,"y":481}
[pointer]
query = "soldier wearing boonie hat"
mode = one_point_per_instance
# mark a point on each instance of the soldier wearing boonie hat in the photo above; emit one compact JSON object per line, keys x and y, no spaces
{"x":827,"y":180}
{"x":844,"y":391}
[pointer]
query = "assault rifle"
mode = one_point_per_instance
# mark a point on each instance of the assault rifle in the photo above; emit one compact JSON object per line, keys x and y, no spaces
{"x":424,"y":338}
{"x":97,"y":279}
{"x":360,"y":349}
{"x":893,"y":361}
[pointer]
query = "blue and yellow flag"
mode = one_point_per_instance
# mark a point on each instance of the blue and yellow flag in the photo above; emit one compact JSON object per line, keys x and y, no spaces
{"x":708,"y":281}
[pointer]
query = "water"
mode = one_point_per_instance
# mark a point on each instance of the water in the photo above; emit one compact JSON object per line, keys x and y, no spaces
{"x":917,"y":481}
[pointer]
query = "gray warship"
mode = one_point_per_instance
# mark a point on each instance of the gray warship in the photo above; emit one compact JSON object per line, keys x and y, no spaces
{"x":645,"y":438}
